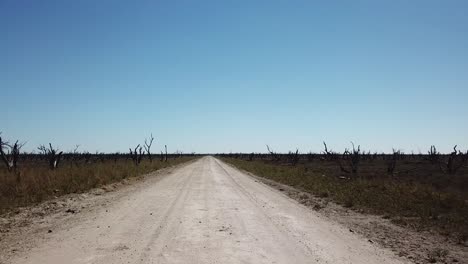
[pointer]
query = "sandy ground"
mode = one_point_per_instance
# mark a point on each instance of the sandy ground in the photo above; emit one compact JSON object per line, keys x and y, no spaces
{"x":201,"y":212}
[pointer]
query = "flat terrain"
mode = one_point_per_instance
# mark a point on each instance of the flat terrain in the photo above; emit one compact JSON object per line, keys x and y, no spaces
{"x":201,"y":212}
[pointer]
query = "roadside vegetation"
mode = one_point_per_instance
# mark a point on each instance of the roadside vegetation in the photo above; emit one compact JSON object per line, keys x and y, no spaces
{"x":27,"y":178}
{"x":424,"y":191}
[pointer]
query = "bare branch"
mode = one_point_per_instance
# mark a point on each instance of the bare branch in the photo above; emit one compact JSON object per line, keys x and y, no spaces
{"x":11,"y":157}
{"x":136,"y":154}
{"x":274,"y":155}
{"x":456,"y":160}
{"x":75,"y":151}
{"x":53,"y":156}
{"x":148,"y":147}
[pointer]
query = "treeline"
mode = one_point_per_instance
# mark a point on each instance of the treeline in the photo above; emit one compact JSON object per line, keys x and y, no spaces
{"x":12,"y":157}
{"x":349,"y":161}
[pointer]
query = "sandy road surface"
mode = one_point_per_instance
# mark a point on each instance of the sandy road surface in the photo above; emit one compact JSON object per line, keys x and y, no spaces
{"x":204,"y":212}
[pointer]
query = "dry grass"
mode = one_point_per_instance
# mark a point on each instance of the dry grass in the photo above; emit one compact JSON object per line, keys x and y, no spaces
{"x":405,"y":202}
{"x":34,"y":182}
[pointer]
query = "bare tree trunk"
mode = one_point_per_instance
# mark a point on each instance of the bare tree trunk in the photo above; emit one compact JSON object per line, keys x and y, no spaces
{"x":11,"y":157}
{"x":273,"y":154}
{"x":353,"y":158}
{"x":136,"y":154}
{"x":456,"y":160}
{"x":148,"y":148}
{"x":52,"y":156}
{"x":391,"y":165}
{"x":433,"y":155}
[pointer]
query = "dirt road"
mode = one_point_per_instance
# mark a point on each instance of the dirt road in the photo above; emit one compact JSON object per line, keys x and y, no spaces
{"x":203,"y":212}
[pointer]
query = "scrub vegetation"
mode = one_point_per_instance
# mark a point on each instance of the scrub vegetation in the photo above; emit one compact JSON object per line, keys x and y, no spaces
{"x":419,"y":190}
{"x":27,"y":178}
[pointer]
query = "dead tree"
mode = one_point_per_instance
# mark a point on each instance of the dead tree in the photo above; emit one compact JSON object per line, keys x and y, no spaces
{"x":391,"y":164}
{"x":136,"y":154}
{"x":329,"y":154}
{"x":455,"y":161}
{"x":433,"y":155}
{"x":343,"y":157}
{"x":293,"y":157}
{"x":75,"y":155}
{"x":273,"y":154}
{"x":42,"y":150}
{"x":5,"y":159}
{"x":10,"y":158}
{"x":148,"y":147}
{"x":353,"y":157}
{"x":162,"y":156}
{"x":53,"y":156}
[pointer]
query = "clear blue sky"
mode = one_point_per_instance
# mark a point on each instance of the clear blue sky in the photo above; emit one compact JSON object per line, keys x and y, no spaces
{"x":220,"y":76}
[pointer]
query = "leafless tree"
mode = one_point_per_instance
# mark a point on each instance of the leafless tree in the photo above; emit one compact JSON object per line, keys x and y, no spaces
{"x":148,"y":147}
{"x":74,"y":155}
{"x":391,"y":164}
{"x":4,"y":144}
{"x":293,"y":157}
{"x":329,"y":154}
{"x":136,"y":154}
{"x":273,"y":154}
{"x":10,"y":158}
{"x":75,"y":150}
{"x":455,"y":161}
{"x":53,"y":155}
{"x":178,"y":154}
{"x":434,"y":155}
{"x":353,"y":157}
{"x":42,"y":150}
